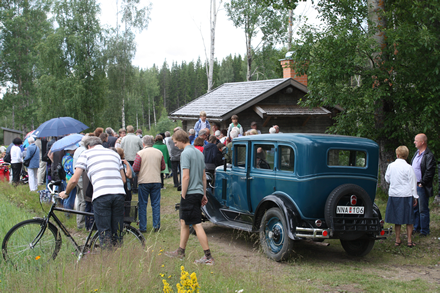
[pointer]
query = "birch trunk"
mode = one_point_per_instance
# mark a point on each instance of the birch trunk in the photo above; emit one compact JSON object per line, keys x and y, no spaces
{"x":213,"y":21}
{"x":248,"y":57}
{"x":386,"y":156}
{"x":290,"y":32}
{"x":154,"y":113}
{"x":149,"y":114}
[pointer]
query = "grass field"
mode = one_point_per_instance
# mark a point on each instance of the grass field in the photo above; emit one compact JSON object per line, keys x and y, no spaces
{"x":240,"y":265}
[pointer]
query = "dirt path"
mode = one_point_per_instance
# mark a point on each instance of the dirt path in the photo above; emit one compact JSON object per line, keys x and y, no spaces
{"x":242,"y":250}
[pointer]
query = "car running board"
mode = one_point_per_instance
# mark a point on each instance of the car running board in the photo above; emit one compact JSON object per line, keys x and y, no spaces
{"x":214,"y":212}
{"x":235,"y":225}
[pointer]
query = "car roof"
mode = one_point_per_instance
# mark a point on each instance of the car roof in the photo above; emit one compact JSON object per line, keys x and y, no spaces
{"x":310,"y":138}
{"x":314,"y":148}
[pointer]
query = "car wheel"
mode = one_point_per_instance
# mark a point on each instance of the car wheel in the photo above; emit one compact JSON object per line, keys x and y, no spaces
{"x":358,"y":247}
{"x":340,"y":196}
{"x":274,"y":236}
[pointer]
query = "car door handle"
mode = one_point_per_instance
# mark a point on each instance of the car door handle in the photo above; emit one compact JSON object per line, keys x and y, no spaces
{"x":244,"y":178}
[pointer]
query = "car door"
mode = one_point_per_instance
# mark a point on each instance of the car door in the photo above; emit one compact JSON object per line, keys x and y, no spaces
{"x":237,"y":198}
{"x":261,"y":178}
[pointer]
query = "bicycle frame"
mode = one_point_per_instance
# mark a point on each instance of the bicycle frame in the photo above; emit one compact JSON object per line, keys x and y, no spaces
{"x":80,"y":250}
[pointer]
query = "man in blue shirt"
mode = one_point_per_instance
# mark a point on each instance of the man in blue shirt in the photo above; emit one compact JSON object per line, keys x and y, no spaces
{"x":423,"y":163}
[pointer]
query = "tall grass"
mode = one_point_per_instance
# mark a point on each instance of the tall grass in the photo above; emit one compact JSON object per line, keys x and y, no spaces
{"x":239,"y":262}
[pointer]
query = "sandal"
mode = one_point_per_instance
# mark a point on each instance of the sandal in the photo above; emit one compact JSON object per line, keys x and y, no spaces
{"x":411,"y":244}
{"x":397,"y":243}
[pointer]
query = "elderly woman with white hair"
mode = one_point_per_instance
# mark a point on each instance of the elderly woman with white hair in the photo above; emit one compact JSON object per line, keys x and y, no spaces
{"x":33,"y":156}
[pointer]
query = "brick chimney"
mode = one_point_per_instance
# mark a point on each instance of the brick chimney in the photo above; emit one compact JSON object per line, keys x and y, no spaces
{"x":288,"y":70}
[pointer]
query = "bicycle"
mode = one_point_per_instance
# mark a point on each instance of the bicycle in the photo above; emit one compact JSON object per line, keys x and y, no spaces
{"x":38,"y":240}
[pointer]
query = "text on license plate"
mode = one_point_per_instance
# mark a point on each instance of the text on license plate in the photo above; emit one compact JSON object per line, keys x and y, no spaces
{"x":350,"y":210}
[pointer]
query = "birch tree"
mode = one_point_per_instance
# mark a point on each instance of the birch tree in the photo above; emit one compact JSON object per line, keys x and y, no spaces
{"x":214,"y":9}
{"x":131,"y":17}
{"x":256,"y":19}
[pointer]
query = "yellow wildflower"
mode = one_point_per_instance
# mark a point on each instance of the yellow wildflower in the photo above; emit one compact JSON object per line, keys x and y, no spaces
{"x":163,"y":266}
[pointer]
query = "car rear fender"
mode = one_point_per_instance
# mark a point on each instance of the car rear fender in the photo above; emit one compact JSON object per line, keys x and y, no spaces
{"x":285,"y":204}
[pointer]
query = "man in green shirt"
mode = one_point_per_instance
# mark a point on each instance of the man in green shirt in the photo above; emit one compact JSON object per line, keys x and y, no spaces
{"x":193,"y":197}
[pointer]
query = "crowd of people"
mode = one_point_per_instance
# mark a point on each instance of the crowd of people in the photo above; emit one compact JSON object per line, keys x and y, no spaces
{"x":101,"y":172}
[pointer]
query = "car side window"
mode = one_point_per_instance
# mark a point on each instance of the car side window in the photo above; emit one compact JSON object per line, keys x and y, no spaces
{"x":351,"y":158}
{"x":286,"y":158}
{"x":264,"y":156}
{"x":240,"y":156}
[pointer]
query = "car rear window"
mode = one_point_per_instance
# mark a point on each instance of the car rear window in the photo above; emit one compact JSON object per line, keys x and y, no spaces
{"x":286,"y":158}
{"x":352,"y":158}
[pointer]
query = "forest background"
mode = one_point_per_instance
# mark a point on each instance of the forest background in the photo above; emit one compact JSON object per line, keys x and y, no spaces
{"x":378,"y":61}
{"x":57,"y":60}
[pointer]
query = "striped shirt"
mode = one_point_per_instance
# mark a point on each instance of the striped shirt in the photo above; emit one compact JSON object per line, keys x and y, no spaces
{"x":103,"y":169}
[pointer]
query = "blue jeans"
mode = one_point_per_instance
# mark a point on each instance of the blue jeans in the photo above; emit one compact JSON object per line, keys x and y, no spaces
{"x":421,"y":212}
{"x":152,"y":189}
{"x":109,"y":218}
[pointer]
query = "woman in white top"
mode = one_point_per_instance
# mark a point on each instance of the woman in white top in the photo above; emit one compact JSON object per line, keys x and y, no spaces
{"x":16,"y":160}
{"x":402,"y":194}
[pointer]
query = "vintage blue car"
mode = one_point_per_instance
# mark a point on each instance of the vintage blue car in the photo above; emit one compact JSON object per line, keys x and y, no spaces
{"x":290,"y":187}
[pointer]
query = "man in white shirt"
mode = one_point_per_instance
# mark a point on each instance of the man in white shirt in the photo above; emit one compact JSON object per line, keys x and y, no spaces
{"x":106,"y":173}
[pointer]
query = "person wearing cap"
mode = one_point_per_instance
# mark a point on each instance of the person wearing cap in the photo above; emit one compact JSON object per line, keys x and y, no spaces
{"x":67,"y":163}
{"x":218,"y":135}
{"x":254,"y":126}
{"x":33,"y":155}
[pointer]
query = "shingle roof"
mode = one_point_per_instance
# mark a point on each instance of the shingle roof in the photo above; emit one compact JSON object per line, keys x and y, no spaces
{"x":231,"y":98}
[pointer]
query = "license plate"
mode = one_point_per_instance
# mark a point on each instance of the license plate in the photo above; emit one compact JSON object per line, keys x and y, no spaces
{"x":349,"y":210}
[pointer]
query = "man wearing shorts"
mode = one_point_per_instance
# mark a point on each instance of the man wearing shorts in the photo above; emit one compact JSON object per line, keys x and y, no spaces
{"x":193,"y":197}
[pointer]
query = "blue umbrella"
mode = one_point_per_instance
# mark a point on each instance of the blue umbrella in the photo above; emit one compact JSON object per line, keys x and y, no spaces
{"x":59,"y":126}
{"x":66,"y":142}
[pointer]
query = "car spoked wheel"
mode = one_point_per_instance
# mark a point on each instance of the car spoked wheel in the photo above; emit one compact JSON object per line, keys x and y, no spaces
{"x":274,"y":237}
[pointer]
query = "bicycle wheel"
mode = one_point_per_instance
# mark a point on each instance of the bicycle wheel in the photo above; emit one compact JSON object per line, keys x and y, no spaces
{"x":131,"y":237}
{"x":25,"y":246}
